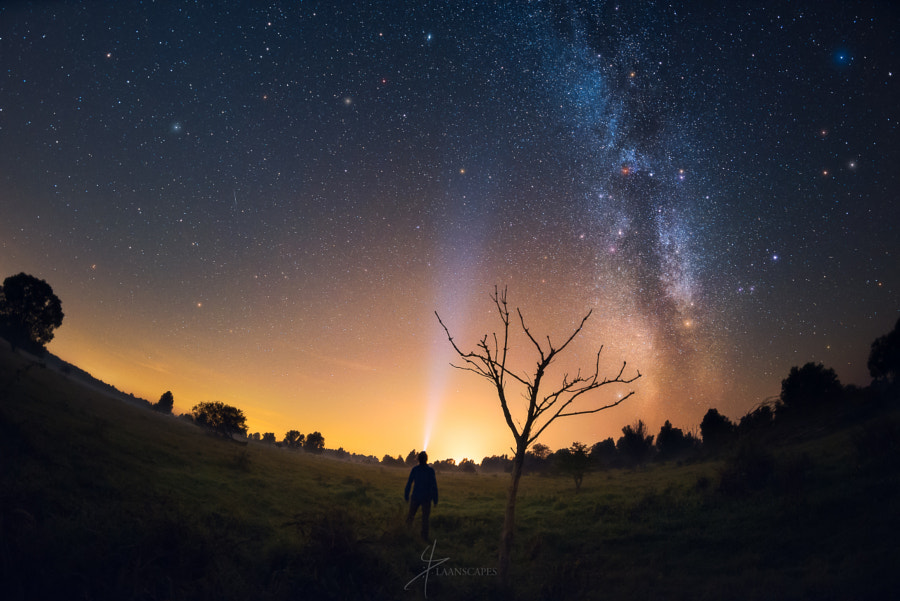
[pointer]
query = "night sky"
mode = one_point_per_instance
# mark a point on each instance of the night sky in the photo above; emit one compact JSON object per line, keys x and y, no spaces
{"x":265,"y":204}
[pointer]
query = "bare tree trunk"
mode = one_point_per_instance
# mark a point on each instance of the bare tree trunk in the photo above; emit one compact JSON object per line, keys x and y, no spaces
{"x":489,"y":362}
{"x":509,"y":520}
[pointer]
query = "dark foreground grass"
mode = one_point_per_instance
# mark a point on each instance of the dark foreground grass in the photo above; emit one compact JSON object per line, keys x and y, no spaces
{"x":100,"y":499}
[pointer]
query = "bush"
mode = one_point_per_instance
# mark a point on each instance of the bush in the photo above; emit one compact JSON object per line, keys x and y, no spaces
{"x":222,"y":419}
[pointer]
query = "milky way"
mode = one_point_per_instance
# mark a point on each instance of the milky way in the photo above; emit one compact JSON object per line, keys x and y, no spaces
{"x":265,"y":204}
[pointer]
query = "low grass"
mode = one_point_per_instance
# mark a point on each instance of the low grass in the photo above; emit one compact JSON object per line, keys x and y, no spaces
{"x":101,"y":499}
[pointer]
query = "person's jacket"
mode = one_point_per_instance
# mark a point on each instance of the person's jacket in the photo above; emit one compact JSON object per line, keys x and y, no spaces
{"x":425,"y":488}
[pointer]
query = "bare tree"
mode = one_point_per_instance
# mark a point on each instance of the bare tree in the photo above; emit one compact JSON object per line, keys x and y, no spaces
{"x":489,"y":360}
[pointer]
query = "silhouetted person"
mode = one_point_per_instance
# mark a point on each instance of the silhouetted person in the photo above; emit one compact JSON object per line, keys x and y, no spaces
{"x":424,"y":490}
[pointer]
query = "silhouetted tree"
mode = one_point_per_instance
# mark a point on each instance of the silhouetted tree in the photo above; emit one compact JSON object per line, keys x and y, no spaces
{"x":411,"y":458}
{"x":445,"y":465}
{"x":268,"y":437}
{"x":29,"y":312}
{"x":672,"y":443}
{"x":393,"y":461}
{"x":489,"y":360}
{"x":603,"y":454}
{"x":538,"y":462}
{"x":716,"y":430}
{"x":255,"y":436}
{"x":539,"y":459}
{"x":756,"y":421}
{"x":314,"y":443}
{"x":541,"y":451}
{"x":574,"y":461}
{"x":636,"y":444}
{"x":293,"y":439}
{"x":884,"y":357}
{"x":809,"y":386}
{"x":222,"y":419}
{"x":496,"y":463}
{"x":467,"y":466}
{"x":165,"y":402}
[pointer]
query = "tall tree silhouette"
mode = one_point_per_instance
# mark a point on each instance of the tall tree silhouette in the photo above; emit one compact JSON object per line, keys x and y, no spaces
{"x":29,"y":312}
{"x":884,"y":357}
{"x":716,"y":430}
{"x":636,"y":443}
{"x":166,"y":402}
{"x":489,"y":360}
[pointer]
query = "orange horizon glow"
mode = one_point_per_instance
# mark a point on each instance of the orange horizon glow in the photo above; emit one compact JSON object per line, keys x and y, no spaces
{"x":371,"y":376}
{"x":375,"y":403}
{"x":276,"y":230}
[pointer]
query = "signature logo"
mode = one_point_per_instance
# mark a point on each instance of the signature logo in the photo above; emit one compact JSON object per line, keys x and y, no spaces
{"x":430,"y":564}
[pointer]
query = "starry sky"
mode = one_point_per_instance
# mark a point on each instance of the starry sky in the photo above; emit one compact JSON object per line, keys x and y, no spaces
{"x":265,"y":203}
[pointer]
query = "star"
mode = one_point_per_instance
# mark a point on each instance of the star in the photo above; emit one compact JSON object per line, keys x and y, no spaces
{"x":351,"y":135}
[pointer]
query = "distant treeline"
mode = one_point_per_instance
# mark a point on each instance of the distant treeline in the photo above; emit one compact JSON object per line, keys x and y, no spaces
{"x":806,"y":392}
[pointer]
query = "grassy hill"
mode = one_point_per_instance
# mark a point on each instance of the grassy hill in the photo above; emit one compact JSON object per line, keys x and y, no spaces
{"x":101,"y":499}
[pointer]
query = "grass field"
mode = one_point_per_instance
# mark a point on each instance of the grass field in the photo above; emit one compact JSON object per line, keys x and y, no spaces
{"x":100,"y":499}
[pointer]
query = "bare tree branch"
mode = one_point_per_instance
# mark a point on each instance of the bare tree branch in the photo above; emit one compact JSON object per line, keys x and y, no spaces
{"x":491,"y":364}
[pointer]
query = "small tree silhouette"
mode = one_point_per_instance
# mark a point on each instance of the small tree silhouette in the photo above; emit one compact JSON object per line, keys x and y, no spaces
{"x":489,"y":360}
{"x":716,"y":430}
{"x":165,"y":402}
{"x":636,"y":443}
{"x":29,"y":312}
{"x":884,"y":357}
{"x":392,"y":461}
{"x":604,"y":454}
{"x":222,"y":419}
{"x":314,"y":443}
{"x":445,"y":465}
{"x":540,"y":450}
{"x":574,"y":461}
{"x":808,"y":386}
{"x":467,"y":466}
{"x":293,"y":439}
{"x":756,"y":421}
{"x":672,"y":443}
